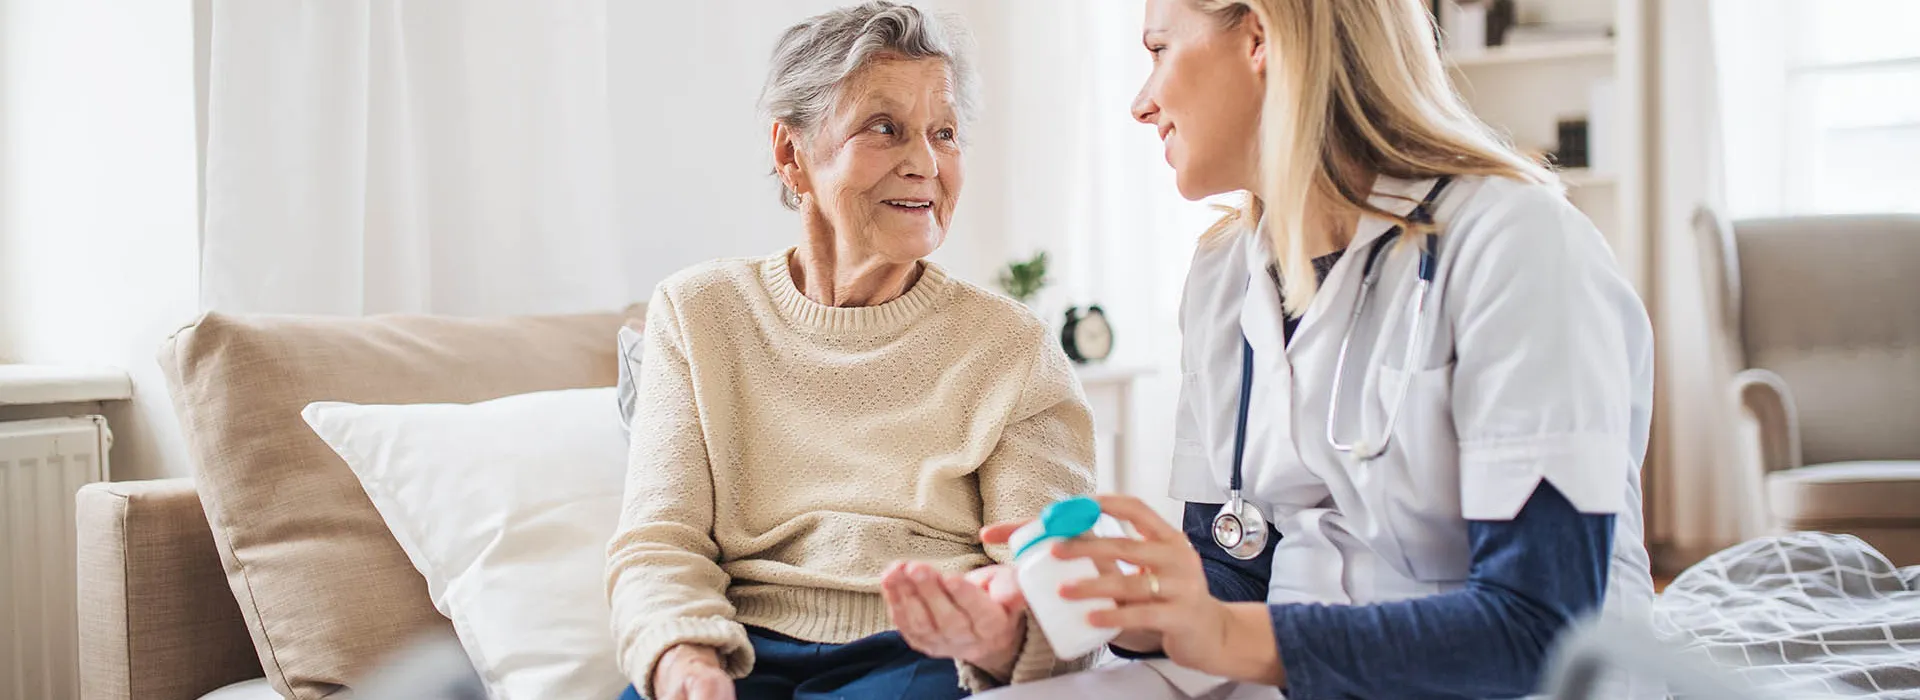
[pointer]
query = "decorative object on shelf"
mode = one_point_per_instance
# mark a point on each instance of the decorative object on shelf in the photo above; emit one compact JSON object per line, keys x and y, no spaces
{"x":1087,"y":337}
{"x":1022,"y":279}
{"x":1463,"y":26}
{"x":1501,"y":17}
{"x":1572,"y":151}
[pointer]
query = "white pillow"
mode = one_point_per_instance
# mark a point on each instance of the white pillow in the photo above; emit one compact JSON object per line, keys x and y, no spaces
{"x":506,"y":507}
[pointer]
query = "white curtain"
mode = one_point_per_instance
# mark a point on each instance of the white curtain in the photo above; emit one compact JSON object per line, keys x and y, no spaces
{"x":1705,"y":489}
{"x":512,"y":156}
{"x":368,"y":156}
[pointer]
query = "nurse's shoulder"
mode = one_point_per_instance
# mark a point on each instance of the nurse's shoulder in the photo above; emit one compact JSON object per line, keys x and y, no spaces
{"x":1215,"y":276}
{"x":1508,"y":220}
{"x":1504,"y":235}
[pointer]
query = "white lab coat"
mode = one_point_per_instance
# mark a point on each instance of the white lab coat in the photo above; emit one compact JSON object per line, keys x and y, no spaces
{"x":1537,"y":366}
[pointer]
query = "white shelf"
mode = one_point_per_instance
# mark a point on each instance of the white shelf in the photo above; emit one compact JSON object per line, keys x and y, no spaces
{"x":1582,"y":177}
{"x":1535,"y":53}
{"x":27,"y":385}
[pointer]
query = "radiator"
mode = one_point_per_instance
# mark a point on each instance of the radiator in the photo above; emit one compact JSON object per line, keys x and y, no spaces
{"x":42,"y":464}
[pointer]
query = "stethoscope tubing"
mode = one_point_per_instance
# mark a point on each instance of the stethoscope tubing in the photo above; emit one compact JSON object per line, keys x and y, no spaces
{"x":1365,"y":450}
{"x":1249,"y":523}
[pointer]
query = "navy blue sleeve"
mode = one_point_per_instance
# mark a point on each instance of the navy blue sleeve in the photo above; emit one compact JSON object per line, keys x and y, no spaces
{"x":1530,"y":576}
{"x":1229,"y":579}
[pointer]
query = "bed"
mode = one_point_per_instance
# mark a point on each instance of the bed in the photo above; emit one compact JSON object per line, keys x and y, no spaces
{"x":1802,"y":614}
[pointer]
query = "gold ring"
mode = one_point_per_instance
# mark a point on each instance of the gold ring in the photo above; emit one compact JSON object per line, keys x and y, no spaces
{"x":1153,"y":586}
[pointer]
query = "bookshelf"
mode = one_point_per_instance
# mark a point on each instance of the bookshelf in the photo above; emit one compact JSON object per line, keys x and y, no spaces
{"x":1535,"y":53}
{"x":1526,"y":89}
{"x":1585,"y":178}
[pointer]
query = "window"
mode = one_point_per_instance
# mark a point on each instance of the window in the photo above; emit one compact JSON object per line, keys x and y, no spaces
{"x":1821,"y":104}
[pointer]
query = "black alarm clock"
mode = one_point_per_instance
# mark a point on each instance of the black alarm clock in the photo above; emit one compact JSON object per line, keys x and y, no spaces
{"x":1087,"y":337}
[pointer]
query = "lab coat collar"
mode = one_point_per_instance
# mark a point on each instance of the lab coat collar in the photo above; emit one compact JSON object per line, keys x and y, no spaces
{"x":1394,"y":195}
{"x":1390,"y":194}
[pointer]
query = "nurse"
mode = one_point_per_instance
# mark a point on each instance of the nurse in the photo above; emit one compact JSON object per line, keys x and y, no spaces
{"x":1413,"y":378}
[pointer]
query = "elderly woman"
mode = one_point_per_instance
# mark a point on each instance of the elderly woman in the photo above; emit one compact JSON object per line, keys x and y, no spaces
{"x":822,"y":432}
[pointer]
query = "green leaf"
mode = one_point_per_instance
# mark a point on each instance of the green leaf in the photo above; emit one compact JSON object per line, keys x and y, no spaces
{"x":1022,"y":279}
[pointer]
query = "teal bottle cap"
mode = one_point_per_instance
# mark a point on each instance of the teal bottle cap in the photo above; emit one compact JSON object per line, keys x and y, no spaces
{"x":1065,"y":520}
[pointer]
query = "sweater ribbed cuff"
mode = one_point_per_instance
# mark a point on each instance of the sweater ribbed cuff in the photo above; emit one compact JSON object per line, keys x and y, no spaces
{"x":724,"y":635}
{"x":1035,"y":662}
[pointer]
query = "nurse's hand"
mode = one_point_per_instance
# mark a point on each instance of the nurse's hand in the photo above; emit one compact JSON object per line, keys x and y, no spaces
{"x":973,"y":618}
{"x":1169,"y":597}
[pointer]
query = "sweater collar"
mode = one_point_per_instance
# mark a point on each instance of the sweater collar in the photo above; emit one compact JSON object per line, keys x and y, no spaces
{"x":776,"y":275}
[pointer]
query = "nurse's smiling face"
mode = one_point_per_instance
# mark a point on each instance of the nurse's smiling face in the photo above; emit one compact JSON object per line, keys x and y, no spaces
{"x":1204,"y":94}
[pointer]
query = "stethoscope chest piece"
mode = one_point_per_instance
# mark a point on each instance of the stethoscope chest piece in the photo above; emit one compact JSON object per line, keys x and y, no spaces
{"x":1240,"y":529}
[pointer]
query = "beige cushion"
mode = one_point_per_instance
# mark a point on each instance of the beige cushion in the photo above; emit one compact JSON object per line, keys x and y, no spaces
{"x":1835,"y":496}
{"x":325,"y":590}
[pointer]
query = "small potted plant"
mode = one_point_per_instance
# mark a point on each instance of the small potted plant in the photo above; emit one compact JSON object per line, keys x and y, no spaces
{"x":1023,"y":279}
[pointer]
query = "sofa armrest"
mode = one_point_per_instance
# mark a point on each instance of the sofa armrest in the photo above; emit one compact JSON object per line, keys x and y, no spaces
{"x":1765,"y":395}
{"x":157,"y":620}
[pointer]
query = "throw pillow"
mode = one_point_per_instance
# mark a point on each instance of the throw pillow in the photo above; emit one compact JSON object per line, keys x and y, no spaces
{"x":505,"y":507}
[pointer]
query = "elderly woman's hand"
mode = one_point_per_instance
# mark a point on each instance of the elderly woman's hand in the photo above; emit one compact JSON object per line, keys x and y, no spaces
{"x":973,"y":618}
{"x":692,"y":672}
{"x":1169,"y":598}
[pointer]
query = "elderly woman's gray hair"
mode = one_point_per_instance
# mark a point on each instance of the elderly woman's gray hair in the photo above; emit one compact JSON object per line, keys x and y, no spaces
{"x":814,"y":57}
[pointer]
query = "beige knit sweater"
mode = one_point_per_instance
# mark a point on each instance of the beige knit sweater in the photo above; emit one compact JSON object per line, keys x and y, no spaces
{"x":784,"y":452}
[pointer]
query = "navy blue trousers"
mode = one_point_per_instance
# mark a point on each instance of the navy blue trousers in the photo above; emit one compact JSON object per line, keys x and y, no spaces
{"x":874,"y":668}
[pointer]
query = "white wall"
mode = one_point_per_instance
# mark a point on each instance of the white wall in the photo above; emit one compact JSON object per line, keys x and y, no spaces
{"x":98,"y":231}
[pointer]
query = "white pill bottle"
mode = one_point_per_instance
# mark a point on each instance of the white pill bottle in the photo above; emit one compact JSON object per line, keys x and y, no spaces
{"x":1041,"y":574}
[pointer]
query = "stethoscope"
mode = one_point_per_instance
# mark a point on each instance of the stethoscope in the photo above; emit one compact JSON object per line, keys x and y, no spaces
{"x":1240,"y":528}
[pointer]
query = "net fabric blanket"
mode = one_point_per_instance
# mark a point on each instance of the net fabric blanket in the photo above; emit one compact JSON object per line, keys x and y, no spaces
{"x":1802,"y":614}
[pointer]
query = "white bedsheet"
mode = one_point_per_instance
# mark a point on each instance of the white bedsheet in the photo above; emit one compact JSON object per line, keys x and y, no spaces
{"x":1805,"y":613}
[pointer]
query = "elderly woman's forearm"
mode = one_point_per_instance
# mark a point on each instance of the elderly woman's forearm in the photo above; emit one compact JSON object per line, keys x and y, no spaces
{"x":665,"y":595}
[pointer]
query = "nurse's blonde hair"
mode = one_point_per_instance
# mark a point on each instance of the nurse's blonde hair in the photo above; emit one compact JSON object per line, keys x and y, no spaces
{"x":1359,"y":83}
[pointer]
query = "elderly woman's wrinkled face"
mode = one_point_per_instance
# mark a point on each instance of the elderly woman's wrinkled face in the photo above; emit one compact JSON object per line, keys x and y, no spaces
{"x":883,"y":168}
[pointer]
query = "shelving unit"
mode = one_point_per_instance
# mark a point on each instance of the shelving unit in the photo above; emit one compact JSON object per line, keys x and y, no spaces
{"x":1524,"y":90}
{"x":1535,"y":53}
{"x":1584,"y":178}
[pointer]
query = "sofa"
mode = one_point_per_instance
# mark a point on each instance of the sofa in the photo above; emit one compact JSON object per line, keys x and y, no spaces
{"x":270,"y":567}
